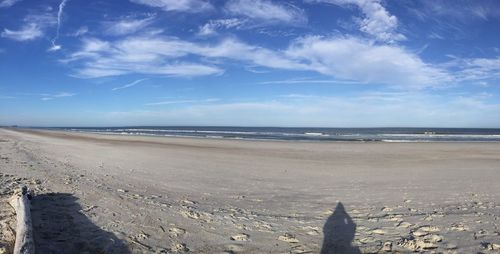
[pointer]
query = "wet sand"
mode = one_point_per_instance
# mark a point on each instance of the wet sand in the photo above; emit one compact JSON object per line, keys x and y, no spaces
{"x":119,"y":194}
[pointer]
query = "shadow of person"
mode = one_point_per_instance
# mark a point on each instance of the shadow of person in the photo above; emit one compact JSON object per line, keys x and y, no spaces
{"x":60,"y":227}
{"x":338,"y":233}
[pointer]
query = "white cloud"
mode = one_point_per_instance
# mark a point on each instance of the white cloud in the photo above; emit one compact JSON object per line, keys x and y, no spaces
{"x":363,"y":61}
{"x":161,"y":55}
{"x":236,"y":50}
{"x":33,"y":28}
{"x":8,"y":3}
{"x":54,"y":47}
{"x":48,"y":97}
{"x":144,"y":55}
{"x":91,"y":72}
{"x":468,"y":69}
{"x":131,"y":84}
{"x":178,"y":5}
{"x":212,"y":26}
{"x":81,"y":31}
{"x":126,"y":26}
{"x":377,"y":21}
{"x":461,"y":11}
{"x":27,"y":32}
{"x":182,"y":102}
{"x":310,"y":81}
{"x":343,"y":58}
{"x":268,"y":11}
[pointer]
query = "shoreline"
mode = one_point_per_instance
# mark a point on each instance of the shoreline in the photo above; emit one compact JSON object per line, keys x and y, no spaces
{"x":28,"y":129}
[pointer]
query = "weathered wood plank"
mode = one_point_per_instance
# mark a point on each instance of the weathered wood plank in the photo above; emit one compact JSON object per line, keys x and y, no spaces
{"x":25,"y":243}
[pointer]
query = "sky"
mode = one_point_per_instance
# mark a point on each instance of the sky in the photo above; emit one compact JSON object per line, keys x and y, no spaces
{"x":314,"y":63}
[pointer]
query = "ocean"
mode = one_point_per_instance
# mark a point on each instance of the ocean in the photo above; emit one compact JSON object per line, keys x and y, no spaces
{"x":306,"y":134}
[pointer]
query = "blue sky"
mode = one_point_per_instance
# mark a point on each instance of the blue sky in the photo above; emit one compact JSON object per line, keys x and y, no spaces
{"x":338,"y":63}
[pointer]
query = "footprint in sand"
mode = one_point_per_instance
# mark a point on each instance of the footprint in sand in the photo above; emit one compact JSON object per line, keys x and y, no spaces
{"x":387,"y":247}
{"x":425,"y":230}
{"x":379,"y":231}
{"x":404,"y":224}
{"x":366,"y":240}
{"x":176,"y":231}
{"x":429,"y":229}
{"x":240,"y":237}
{"x":187,"y":201}
{"x":142,"y":236}
{"x":459,"y":227}
{"x":299,"y":249}
{"x":396,"y":218}
{"x":428,"y":218}
{"x":191,"y":214}
{"x":417,"y":244}
{"x":387,"y":209}
{"x":178,"y":247}
{"x":289,"y":238}
{"x":433,"y":238}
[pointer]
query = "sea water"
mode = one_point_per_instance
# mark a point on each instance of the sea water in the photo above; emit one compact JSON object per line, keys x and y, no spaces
{"x":305,"y":134}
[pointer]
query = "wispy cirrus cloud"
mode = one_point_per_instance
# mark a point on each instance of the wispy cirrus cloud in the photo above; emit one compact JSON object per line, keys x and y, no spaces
{"x":79,"y":32}
{"x":267,"y":11}
{"x":178,"y":5}
{"x":131,"y":84}
{"x":33,"y":27}
{"x":48,"y":97}
{"x":445,"y":20}
{"x":475,"y":69}
{"x":212,"y":26}
{"x":376,"y":21}
{"x":27,"y":32}
{"x":126,"y":25}
{"x":170,"y":102}
{"x":310,"y":81}
{"x":459,"y":11}
{"x":8,"y":3}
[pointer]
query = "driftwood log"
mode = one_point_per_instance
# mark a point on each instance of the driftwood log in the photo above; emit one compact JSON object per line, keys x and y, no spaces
{"x":25,"y":243}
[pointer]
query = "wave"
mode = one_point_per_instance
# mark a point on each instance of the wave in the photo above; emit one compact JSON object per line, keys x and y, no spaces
{"x":443,"y":135}
{"x":306,"y":134}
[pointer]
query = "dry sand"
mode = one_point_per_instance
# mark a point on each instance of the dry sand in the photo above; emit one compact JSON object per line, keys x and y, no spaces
{"x":115,"y":194}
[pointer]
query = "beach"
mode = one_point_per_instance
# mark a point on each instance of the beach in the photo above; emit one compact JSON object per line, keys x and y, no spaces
{"x":135,"y":194}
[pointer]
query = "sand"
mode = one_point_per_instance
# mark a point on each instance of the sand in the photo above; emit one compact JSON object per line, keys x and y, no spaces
{"x":129,"y":194}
